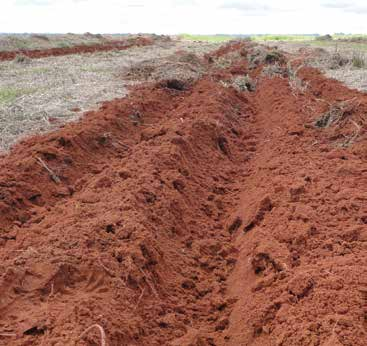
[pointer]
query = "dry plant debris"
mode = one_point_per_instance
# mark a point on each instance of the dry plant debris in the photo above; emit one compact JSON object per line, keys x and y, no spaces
{"x":43,"y":94}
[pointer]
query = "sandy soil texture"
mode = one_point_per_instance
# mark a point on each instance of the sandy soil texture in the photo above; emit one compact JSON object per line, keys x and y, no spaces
{"x":222,"y":211}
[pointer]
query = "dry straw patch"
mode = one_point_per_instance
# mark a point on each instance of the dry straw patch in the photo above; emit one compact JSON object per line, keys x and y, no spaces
{"x":42,"y":94}
{"x":343,"y":116}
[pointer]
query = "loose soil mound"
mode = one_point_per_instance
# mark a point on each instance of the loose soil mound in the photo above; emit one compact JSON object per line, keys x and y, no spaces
{"x":203,"y":216}
{"x":43,"y":53}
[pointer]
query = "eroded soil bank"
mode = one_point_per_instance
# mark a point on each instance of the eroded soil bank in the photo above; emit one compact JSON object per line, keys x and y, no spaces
{"x":192,"y":215}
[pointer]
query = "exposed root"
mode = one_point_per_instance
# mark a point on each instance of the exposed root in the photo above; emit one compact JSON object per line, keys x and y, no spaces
{"x":8,"y":335}
{"x":151,"y":286}
{"x":48,"y":313}
{"x":101,"y":330}
{"x":352,"y":138}
{"x":52,"y":174}
{"x":108,"y":271}
{"x":140,"y":298}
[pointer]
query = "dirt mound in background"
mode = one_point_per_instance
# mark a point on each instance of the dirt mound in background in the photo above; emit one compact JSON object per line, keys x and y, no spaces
{"x":43,"y":53}
{"x":204,"y":216}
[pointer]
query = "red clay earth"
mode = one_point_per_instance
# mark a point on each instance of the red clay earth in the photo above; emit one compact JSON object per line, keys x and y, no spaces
{"x":198,"y":217}
{"x":43,"y":53}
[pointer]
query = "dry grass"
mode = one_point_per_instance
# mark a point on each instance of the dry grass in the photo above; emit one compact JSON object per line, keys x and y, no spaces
{"x":186,"y":68}
{"x":336,"y":114}
{"x":43,"y":94}
{"x":343,"y":61}
{"x":274,"y":70}
{"x":359,"y":60}
{"x":296,"y":83}
{"x":339,"y":116}
{"x":9,"y":42}
{"x":241,"y":83}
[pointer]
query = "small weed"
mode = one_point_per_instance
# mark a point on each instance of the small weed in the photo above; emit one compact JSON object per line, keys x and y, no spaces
{"x":358,"y":60}
{"x":8,"y":95}
{"x":22,"y":59}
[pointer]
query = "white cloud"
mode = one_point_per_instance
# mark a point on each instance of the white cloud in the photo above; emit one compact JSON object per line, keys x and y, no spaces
{"x":178,"y":16}
{"x":33,"y":2}
{"x":356,"y":6}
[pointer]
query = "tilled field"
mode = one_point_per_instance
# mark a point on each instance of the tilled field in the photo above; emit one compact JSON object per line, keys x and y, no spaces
{"x":221,"y":211}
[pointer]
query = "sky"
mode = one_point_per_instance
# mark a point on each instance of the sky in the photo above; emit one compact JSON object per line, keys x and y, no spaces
{"x":184,"y":16}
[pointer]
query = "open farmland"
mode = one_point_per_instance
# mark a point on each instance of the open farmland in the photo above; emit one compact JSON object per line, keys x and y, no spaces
{"x":37,"y":95}
{"x":183,"y":194}
{"x":341,"y":59}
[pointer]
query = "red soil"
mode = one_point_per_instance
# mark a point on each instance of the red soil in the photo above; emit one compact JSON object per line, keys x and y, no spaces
{"x":43,"y":53}
{"x":197,"y":217}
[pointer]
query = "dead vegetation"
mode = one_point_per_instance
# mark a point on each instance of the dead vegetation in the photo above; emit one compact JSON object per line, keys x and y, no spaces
{"x":339,"y":116}
{"x":184,"y":67}
{"x":359,"y":60}
{"x":241,"y":83}
{"x":39,"y":95}
{"x":261,"y":55}
{"x":274,"y":70}
{"x":326,"y":37}
{"x":296,"y":83}
{"x":344,"y":60}
{"x":336,"y":114}
{"x":12,"y":42}
{"x":227,"y":60}
{"x":339,"y":60}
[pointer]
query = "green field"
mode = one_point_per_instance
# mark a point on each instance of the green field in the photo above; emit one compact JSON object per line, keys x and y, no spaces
{"x":301,"y":38}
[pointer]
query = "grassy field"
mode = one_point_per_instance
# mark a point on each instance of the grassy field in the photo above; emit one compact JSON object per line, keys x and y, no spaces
{"x":338,"y":44}
{"x":296,"y":38}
